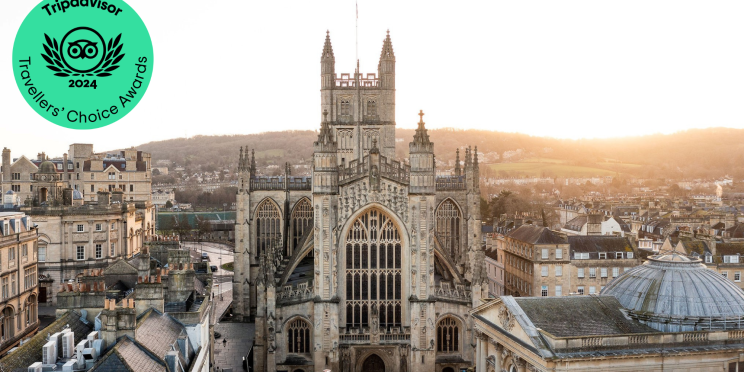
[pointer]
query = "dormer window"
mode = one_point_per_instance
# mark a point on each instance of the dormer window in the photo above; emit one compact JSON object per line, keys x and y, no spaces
{"x":708,"y":258}
{"x":731,"y":259}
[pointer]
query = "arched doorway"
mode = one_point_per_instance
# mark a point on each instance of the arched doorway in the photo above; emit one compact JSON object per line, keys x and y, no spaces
{"x":448,"y":369}
{"x":43,"y":195}
{"x":373,"y":363}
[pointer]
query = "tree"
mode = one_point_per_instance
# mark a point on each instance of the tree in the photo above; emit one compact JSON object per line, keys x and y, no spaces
{"x":203,"y":227}
{"x":168,"y":204}
{"x":182,"y":226}
{"x":508,"y":203}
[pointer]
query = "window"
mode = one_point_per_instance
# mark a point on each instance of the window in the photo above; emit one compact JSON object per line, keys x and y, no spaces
{"x":92,"y":176}
{"x":29,"y":278}
{"x":558,"y":253}
{"x":625,"y":269}
{"x":373,"y":254}
{"x":112,"y":175}
{"x":545,"y":253}
{"x":16,"y":188}
{"x":112,"y":225}
{"x":80,"y":254}
{"x":131,"y":188}
{"x":11,"y":256}
{"x":448,"y":335}
{"x":737,"y":276}
{"x":544,"y":291}
{"x":15,"y":177}
{"x":113,"y":250}
{"x":449,"y":220}
{"x":592,"y":290}
{"x":99,"y":251}
{"x":580,"y":290}
{"x":602,"y":256}
{"x":13,"y":286}
{"x":615,"y":272}
{"x":558,"y":290}
{"x":618,"y":255}
{"x":544,"y":270}
{"x":99,"y":227}
{"x":92,"y":188}
{"x":581,"y":272}
{"x":298,"y":337}
{"x":581,"y":256}
{"x":629,"y":255}
{"x":558,"y":270}
{"x":603,"y":272}
{"x":6,"y":290}
{"x":592,"y":272}
{"x":731,"y":259}
{"x":725,"y":274}
{"x":371,"y":108}
{"x":345,"y":107}
{"x":708,"y":258}
{"x":42,"y":254}
{"x":80,"y":228}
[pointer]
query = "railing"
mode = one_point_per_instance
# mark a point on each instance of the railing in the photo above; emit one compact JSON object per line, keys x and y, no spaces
{"x":638,"y":339}
{"x":354,"y":339}
{"x":347,"y":81}
{"x":355,"y":170}
{"x":459,"y":292}
{"x":695,"y":337}
{"x":289,"y":293}
{"x":736,"y":335}
{"x":394,"y":170}
{"x":395,"y":337}
{"x":450,"y":183}
{"x":277,"y":183}
{"x":591,"y":341}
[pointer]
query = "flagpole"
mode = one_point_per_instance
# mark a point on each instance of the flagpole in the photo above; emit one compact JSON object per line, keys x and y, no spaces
{"x":356,"y":26}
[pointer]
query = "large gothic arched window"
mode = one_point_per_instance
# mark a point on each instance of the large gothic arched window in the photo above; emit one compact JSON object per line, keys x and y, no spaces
{"x":300,"y":223}
{"x":448,"y":335}
{"x":268,"y":226}
{"x":298,"y":337}
{"x":373,"y":272}
{"x":449,"y":219}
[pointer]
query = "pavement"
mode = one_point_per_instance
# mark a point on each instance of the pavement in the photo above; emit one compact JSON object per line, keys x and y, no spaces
{"x":233,"y":345}
{"x":221,"y":306}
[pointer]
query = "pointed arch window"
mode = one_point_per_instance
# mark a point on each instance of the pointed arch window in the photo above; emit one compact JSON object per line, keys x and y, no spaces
{"x":298,"y":337}
{"x":371,"y":108}
{"x":373,"y":272}
{"x":449,"y":220}
{"x":300,"y":223}
{"x":268,"y":226}
{"x":345,"y":109}
{"x":448,"y":335}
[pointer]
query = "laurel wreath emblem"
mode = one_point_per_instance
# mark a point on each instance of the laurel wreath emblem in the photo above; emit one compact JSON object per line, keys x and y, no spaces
{"x":110,"y":62}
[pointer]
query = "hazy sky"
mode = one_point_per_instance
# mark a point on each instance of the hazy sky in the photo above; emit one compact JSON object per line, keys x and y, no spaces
{"x":569,"y":69}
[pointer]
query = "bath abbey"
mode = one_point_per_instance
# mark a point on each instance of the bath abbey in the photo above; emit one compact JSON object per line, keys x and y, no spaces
{"x":371,"y":264}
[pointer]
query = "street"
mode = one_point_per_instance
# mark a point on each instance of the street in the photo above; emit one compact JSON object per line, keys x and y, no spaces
{"x":219,"y":254}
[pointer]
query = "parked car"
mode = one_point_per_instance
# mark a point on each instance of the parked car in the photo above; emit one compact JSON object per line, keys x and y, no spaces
{"x":205,"y":257}
{"x":213,"y":268}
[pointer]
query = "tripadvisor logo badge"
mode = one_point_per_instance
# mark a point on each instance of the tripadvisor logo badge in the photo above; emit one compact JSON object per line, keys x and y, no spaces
{"x":82,"y":64}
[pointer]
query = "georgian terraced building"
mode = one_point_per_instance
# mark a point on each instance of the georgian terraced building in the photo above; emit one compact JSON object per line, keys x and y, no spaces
{"x":371,"y":264}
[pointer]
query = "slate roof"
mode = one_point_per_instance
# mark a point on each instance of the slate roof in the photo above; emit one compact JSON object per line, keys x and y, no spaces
{"x":31,"y":351}
{"x":571,"y":316}
{"x":736,"y":231}
{"x":536,"y":235}
{"x":576,"y":223}
{"x":157,"y":332}
{"x":729,"y":249}
{"x":599,"y":243}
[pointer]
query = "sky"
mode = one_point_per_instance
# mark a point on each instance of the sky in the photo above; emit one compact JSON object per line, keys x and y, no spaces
{"x":566,"y":69}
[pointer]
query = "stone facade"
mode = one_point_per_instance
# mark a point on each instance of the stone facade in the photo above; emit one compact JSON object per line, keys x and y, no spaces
{"x":82,"y":169}
{"x":18,"y":279}
{"x":371,"y":264}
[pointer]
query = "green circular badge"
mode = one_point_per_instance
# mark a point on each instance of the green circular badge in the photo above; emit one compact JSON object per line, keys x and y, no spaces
{"x":82,"y":64}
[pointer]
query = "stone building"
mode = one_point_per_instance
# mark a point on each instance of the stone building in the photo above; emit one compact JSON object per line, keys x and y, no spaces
{"x":76,"y":237}
{"x":645,"y":319}
{"x":371,"y":263}
{"x":540,"y":262}
{"x":78,"y":232}
{"x":128,"y":171}
{"x":18,"y":279}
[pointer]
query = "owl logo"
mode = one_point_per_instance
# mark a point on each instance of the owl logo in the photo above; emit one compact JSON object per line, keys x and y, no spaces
{"x":82,"y":49}
{"x":83,"y":52}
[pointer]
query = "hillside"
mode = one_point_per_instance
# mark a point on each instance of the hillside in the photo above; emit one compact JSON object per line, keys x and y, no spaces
{"x":699,"y":153}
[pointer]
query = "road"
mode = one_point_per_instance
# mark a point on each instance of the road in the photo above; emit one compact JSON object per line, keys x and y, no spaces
{"x":219,"y":254}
